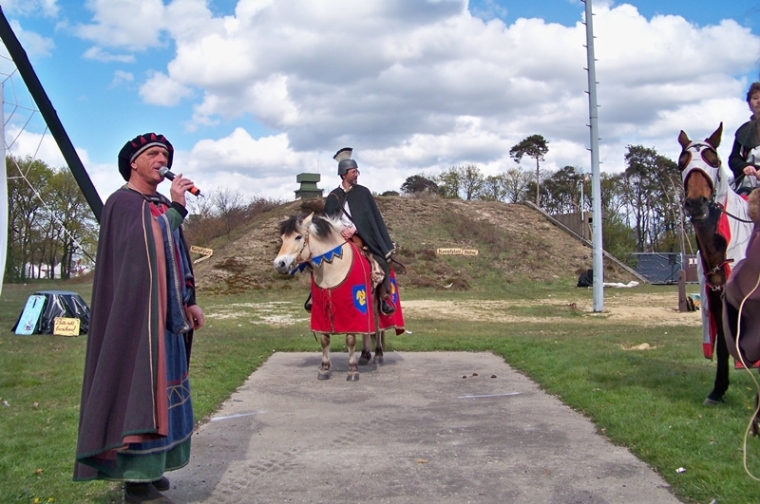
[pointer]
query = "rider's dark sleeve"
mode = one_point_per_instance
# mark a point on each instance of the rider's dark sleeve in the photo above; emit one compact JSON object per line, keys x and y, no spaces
{"x":736,"y":161}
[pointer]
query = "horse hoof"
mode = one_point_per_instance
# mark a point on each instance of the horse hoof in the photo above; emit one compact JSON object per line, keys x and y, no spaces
{"x":322,"y":375}
{"x":353,"y":377}
{"x":712,"y":402}
{"x":363,"y":361}
{"x":379,"y":360}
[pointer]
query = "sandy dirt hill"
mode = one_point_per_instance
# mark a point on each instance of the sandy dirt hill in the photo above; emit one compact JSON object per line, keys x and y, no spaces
{"x":514,"y":243}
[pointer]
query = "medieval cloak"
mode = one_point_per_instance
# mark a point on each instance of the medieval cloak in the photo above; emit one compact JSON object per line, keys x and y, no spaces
{"x":136,"y":415}
{"x":366,"y":216}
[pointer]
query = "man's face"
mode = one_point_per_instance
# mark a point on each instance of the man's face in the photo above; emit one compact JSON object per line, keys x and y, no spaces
{"x":754,"y":104}
{"x":146,"y":165}
{"x":351,"y":176}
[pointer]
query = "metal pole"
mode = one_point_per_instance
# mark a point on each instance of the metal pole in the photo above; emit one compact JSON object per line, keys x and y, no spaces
{"x":596,"y":184}
{"x":24,"y":67}
{"x":583,"y":219}
{"x":3,"y":189}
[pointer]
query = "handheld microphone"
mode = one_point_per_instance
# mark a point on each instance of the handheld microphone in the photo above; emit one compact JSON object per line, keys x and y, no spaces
{"x":164,"y":172}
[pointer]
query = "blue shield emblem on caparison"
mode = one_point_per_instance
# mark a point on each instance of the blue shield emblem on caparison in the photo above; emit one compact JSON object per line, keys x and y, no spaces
{"x":394,"y":291}
{"x":360,"y":298}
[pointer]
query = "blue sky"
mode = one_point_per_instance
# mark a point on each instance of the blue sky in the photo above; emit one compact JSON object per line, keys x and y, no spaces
{"x":253,"y":92}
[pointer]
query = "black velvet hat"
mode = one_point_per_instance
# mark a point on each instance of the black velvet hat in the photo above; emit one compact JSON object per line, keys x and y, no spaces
{"x":137,"y":146}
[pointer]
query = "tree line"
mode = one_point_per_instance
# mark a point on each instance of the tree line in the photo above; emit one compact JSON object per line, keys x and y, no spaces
{"x":50,"y":225}
{"x":52,"y":232}
{"x":641,"y":207}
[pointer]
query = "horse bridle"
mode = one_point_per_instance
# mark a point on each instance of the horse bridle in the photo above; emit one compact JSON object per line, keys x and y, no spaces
{"x":299,"y":257}
{"x":684,"y":160}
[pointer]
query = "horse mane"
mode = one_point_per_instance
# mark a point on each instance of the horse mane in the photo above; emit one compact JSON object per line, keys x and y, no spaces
{"x":322,"y":226}
{"x":290,"y":224}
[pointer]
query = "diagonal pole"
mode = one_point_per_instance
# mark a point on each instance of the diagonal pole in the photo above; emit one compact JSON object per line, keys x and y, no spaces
{"x":35,"y":88}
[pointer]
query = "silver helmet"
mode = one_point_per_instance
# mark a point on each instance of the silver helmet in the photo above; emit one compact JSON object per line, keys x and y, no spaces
{"x":345,"y":163}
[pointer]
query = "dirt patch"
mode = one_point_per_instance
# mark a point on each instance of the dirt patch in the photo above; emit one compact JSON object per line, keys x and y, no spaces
{"x":647,"y":310}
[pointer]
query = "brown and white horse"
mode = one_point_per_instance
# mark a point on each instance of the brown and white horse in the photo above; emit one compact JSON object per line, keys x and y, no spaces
{"x":722,"y":227}
{"x":342,"y":293}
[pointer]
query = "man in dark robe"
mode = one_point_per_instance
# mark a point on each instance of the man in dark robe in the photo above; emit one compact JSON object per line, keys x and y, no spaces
{"x":357,"y":210}
{"x":136,"y":416}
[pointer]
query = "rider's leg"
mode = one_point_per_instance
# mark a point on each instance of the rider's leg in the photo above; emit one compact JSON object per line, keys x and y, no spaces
{"x":384,"y":289}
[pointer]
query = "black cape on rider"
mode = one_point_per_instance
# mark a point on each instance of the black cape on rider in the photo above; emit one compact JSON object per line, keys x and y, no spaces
{"x":365,"y":215}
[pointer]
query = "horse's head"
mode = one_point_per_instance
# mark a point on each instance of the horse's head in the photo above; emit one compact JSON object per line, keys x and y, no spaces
{"x":303,"y":237}
{"x":700,"y":168}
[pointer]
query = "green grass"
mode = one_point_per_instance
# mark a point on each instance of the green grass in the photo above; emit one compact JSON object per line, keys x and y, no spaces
{"x":646,"y":400}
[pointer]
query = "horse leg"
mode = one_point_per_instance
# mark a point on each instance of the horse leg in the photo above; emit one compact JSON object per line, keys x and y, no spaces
{"x":324,"y":370}
{"x":379,"y":343}
{"x":353,"y":366}
{"x":721,"y":374}
{"x":366,"y":355}
{"x":722,"y":355}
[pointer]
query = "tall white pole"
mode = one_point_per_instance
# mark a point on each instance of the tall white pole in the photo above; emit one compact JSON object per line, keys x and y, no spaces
{"x":3,"y":190}
{"x":596,"y":184}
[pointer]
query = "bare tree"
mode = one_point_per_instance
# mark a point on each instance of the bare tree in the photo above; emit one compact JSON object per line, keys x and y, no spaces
{"x":516,"y":182}
{"x":450,"y":182}
{"x":472,"y":181}
{"x":229,"y":207}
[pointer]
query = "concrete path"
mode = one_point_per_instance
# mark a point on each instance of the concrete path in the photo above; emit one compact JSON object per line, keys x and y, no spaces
{"x":413,"y":430}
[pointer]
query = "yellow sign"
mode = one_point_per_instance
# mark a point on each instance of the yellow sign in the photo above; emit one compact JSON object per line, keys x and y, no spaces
{"x":456,"y":251}
{"x":66,"y":326}
{"x":205,"y":252}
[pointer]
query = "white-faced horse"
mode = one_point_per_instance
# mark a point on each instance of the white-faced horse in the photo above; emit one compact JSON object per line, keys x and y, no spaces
{"x":722,"y":227}
{"x":342,"y":294}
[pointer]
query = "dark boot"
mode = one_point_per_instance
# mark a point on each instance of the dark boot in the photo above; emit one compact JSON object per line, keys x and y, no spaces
{"x":307,"y":304}
{"x":162,"y":484}
{"x":144,"y":493}
{"x":384,"y":295}
{"x":386,"y":306}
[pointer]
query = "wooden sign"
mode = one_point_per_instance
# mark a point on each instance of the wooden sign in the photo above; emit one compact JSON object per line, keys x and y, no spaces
{"x":456,"y":251}
{"x":66,"y":326}
{"x":204,"y":252}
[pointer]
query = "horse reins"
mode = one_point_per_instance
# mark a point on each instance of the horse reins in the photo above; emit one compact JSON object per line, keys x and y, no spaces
{"x":721,"y":208}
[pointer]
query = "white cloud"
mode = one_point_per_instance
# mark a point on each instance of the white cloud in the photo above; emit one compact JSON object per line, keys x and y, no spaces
{"x":161,"y":89}
{"x":48,"y":8}
{"x":120,"y":77}
{"x":416,"y":86}
{"x":98,"y":54}
{"x":34,"y":44}
{"x":128,"y":24}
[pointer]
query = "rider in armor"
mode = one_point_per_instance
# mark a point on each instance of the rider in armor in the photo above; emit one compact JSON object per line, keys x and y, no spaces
{"x":355,"y":207}
{"x":742,"y":160}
